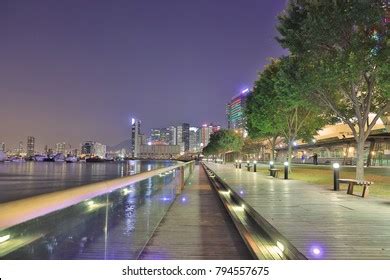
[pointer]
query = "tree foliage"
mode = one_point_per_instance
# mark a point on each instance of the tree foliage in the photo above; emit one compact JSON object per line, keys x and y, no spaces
{"x":223,"y":141}
{"x":343,"y":51}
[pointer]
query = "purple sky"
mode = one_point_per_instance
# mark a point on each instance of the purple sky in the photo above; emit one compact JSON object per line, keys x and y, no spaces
{"x":77,"y":70}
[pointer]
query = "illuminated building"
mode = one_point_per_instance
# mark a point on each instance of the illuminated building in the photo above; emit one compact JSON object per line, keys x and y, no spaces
{"x":60,"y":148}
{"x":159,"y":151}
{"x":136,"y":137}
{"x":183,"y":137}
{"x":155,"y":135}
{"x":172,"y":135}
{"x":93,"y":149}
{"x":195,"y":139}
{"x":235,"y":110}
{"x":2,"y":146}
{"x":206,"y":131}
{"x":30,"y":146}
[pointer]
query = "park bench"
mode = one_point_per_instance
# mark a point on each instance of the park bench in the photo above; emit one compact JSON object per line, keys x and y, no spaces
{"x":352,"y":182}
{"x":274,"y":172}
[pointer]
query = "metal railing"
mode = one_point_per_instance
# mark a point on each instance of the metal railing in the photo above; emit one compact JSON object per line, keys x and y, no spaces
{"x":38,"y":227}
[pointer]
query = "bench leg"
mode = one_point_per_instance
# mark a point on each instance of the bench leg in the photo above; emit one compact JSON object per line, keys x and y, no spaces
{"x":350,"y":188}
{"x":365,"y":191}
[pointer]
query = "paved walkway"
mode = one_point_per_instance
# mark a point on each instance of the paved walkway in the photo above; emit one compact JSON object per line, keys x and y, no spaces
{"x":196,"y":227}
{"x":320,"y":223}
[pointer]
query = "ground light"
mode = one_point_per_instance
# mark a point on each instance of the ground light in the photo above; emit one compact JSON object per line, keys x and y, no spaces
{"x":254,"y":165}
{"x":285,"y":170}
{"x":336,"y":176}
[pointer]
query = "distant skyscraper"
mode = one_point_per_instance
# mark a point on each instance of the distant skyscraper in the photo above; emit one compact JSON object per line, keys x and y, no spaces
{"x":235,"y":110}
{"x":30,"y":146}
{"x":2,"y":147}
{"x":60,"y":148}
{"x":206,"y":131}
{"x":194,"y":139}
{"x":93,"y":149}
{"x":183,"y":136}
{"x":172,"y":135}
{"x":135,"y":137}
{"x":155,"y":135}
{"x":20,"y":148}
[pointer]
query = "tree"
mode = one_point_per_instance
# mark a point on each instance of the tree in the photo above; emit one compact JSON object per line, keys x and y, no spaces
{"x":223,"y":141}
{"x":343,"y":49}
{"x":279,"y":106}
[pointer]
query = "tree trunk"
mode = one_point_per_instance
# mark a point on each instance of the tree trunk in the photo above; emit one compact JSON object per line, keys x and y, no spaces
{"x":360,"y":158}
{"x":289,"y":155}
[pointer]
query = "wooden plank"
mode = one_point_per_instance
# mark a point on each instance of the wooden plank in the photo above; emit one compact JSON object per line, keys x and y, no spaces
{"x":196,"y":227}
{"x":309,"y":216}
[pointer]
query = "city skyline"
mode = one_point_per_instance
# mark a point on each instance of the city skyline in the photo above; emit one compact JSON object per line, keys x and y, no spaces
{"x":68,"y":76}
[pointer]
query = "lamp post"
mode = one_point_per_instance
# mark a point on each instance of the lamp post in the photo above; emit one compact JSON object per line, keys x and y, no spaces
{"x":248,"y":167}
{"x":271,"y":166}
{"x":336,"y":176}
{"x":285,"y":170}
{"x":254,"y":166}
{"x":239,"y":164}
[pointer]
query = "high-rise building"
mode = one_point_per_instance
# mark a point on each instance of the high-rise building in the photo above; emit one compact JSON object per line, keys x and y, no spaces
{"x":30,"y":146}
{"x":172,"y":135}
{"x":194,"y":139}
{"x":183,"y":137}
{"x":155,"y":135}
{"x":235,"y":110}
{"x":93,"y":149}
{"x":135,"y":137}
{"x":206,"y":131}
{"x":20,"y":148}
{"x":2,"y":147}
{"x":60,"y":148}
{"x":165,"y":136}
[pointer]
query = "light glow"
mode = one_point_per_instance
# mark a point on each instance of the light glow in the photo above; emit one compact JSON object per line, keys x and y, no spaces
{"x":286,"y":163}
{"x":280,"y":246}
{"x":336,"y":165}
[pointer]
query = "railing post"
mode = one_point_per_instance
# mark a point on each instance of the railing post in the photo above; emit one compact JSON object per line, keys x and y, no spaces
{"x":181,"y":181}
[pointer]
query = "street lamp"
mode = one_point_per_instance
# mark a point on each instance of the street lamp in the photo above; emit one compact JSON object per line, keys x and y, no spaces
{"x":254,"y":165}
{"x":285,"y":170}
{"x":336,"y":176}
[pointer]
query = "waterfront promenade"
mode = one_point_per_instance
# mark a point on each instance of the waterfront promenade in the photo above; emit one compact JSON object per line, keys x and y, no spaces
{"x":320,"y":223}
{"x":196,"y":226}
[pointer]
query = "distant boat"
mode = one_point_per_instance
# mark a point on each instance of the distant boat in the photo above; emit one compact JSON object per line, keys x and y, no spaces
{"x":40,"y":158}
{"x":17,"y":159}
{"x":71,"y":159}
{"x":59,"y":158}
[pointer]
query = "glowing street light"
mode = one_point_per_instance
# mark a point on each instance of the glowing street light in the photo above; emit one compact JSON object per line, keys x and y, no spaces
{"x":285,"y":170}
{"x":254,"y":165}
{"x":336,"y":176}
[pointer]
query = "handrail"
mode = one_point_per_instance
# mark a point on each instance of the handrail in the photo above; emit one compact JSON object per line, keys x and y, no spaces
{"x":15,"y":212}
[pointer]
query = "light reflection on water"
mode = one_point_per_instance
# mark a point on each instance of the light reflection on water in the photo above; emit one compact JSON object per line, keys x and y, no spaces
{"x":20,"y":180}
{"x":112,"y":226}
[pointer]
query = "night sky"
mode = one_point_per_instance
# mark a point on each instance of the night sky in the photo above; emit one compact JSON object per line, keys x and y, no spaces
{"x":77,"y":70}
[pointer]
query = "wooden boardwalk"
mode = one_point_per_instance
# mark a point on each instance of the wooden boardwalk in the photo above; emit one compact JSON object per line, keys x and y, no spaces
{"x":320,"y":223}
{"x":196,"y":227}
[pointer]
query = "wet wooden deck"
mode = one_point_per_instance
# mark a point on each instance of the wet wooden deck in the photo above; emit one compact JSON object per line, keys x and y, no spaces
{"x":196,"y":227}
{"x":320,"y":223}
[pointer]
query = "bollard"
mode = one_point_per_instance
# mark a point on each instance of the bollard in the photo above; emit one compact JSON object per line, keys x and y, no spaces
{"x":239,"y":164}
{"x":285,"y":170}
{"x":336,"y":176}
{"x":248,"y":167}
{"x":236,"y":164}
{"x":254,"y":166}
{"x":271,"y":166}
